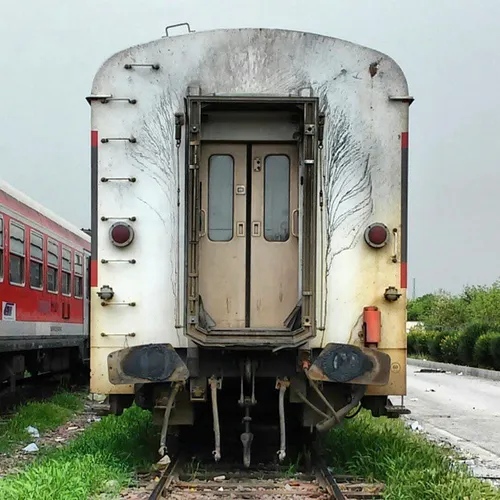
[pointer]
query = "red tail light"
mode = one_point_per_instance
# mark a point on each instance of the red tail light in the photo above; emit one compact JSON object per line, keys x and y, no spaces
{"x":377,"y":235}
{"x":121,"y":234}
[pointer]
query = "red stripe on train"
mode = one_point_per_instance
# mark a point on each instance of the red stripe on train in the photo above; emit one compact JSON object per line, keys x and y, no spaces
{"x":404,"y":275}
{"x":93,"y":138}
{"x":404,"y":140}
{"x":93,"y":273}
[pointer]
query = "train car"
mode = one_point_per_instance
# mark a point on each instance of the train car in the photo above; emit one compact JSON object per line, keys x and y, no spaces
{"x":249,"y":231}
{"x":44,"y":292}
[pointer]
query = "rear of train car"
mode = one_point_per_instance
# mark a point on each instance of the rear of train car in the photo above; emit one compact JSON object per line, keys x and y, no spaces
{"x":249,"y":223}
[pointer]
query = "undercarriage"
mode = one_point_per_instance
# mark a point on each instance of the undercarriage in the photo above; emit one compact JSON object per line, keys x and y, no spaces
{"x":235,"y":394}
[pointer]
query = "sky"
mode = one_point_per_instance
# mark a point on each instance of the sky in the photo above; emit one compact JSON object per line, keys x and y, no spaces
{"x":448,"y":50}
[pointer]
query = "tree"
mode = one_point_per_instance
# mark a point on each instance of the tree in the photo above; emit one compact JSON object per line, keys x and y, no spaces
{"x":420,"y":308}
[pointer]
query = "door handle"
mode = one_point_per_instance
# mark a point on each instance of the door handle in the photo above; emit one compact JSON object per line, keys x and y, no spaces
{"x":203,"y":223}
{"x":295,"y":223}
{"x":240,"y":229}
{"x":256,"y":228}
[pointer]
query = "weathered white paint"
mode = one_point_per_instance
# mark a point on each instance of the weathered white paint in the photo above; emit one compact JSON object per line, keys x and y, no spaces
{"x":242,"y":61}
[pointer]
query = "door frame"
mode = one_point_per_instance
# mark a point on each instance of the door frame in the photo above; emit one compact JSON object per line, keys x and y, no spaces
{"x":312,"y":127}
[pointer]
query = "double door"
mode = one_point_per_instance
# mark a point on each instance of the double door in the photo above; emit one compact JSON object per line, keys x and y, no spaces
{"x":248,"y":267}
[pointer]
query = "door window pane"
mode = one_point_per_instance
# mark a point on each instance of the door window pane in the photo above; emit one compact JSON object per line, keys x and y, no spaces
{"x":220,"y":197}
{"x":276,"y":198}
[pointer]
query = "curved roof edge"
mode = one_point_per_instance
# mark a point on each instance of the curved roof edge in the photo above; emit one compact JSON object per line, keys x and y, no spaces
{"x":38,"y":207}
{"x":247,"y":29}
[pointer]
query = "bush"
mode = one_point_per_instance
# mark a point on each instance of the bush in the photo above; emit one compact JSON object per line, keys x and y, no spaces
{"x":495,"y":351}
{"x":468,"y":341}
{"x":412,"y":341}
{"x":449,"y":347}
{"x":434,"y":344}
{"x":482,"y":350}
{"x":418,"y":341}
{"x":425,"y":340}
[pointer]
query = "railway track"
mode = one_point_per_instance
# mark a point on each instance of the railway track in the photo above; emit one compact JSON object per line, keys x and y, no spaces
{"x":184,"y":479}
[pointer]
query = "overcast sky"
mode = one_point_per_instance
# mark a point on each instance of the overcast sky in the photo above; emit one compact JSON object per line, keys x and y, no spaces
{"x":448,"y":49}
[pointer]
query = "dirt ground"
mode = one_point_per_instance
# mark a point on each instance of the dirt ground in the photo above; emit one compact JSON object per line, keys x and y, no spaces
{"x":16,"y":460}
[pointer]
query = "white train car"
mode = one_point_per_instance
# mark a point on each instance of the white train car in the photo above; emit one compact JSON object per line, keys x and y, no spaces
{"x":249,"y":246}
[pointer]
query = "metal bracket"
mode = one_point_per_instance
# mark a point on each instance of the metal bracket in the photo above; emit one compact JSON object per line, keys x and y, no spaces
{"x":97,"y":97}
{"x":133,"y":218}
{"x":321,"y":127}
{"x":131,"y":334}
{"x":154,"y":66}
{"x":179,"y":122}
{"x":257,"y":164}
{"x":128,"y":261}
{"x":105,"y":140}
{"x":406,"y":98}
{"x":107,"y":99}
{"x":105,"y":304}
{"x":176,"y":26}
{"x":309,"y":128}
{"x":129,"y":179}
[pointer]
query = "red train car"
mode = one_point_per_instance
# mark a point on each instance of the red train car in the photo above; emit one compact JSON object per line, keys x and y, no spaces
{"x":44,"y":289}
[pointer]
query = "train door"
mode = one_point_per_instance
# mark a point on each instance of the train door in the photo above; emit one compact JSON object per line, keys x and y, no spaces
{"x":274,"y":235}
{"x":249,"y":234}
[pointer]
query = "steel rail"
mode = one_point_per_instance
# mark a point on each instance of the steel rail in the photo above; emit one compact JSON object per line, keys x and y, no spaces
{"x":166,"y":479}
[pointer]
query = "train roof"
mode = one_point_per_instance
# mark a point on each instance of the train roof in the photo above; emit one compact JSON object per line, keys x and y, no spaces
{"x":214,"y":34}
{"x":45,"y":212}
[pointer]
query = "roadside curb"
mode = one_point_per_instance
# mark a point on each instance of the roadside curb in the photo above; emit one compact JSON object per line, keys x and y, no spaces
{"x":466,"y":370}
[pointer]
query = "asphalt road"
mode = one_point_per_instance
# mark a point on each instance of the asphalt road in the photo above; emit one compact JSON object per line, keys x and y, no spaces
{"x":461,"y":410}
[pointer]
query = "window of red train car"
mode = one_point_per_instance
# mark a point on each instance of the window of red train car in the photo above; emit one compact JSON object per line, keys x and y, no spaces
{"x":53,"y":267}
{"x":66,"y":272}
{"x":36,"y":260}
{"x":17,"y":254}
{"x":1,"y":248}
{"x":78,"y":275}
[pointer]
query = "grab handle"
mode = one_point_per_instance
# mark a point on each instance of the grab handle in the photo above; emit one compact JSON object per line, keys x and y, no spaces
{"x":295,"y":222}
{"x":203,"y":223}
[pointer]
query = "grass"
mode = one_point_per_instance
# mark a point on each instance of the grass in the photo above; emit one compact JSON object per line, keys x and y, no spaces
{"x":410,"y":466}
{"x":100,"y":460}
{"x":44,"y":415}
{"x":103,"y":459}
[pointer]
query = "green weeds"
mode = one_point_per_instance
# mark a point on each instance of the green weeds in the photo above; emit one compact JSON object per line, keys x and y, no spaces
{"x":45,"y":416}
{"x":409,"y":465}
{"x":101,"y":460}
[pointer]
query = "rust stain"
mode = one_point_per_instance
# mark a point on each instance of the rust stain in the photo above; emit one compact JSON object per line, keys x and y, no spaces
{"x":228,"y":304}
{"x":373,"y":69}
